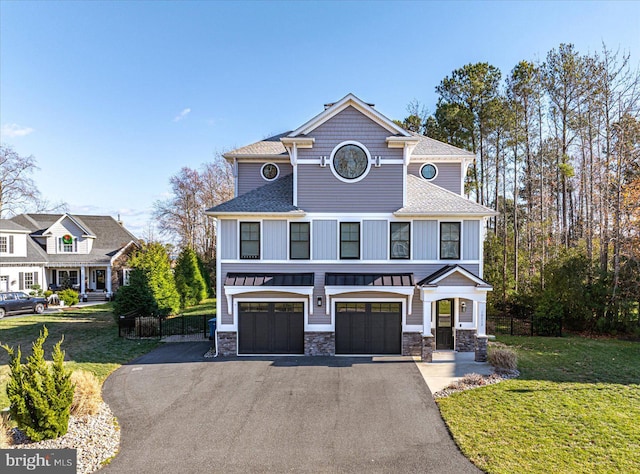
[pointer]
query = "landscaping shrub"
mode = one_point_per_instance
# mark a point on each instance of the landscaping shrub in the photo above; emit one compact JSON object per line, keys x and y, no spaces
{"x":69,"y":296}
{"x":40,"y":397}
{"x":503,"y":359}
{"x":86,"y":397}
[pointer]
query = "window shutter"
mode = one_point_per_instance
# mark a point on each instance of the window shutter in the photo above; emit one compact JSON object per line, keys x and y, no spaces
{"x":21,"y":281}
{"x":35,"y":278}
{"x":11,"y":244}
{"x":120,"y":277}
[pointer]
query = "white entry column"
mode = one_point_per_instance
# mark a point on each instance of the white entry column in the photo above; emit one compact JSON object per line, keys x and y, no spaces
{"x":108,"y":282}
{"x":83,"y":286}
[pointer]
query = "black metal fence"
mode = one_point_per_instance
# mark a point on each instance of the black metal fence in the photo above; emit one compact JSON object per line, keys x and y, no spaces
{"x":134,"y":326}
{"x":523,"y":325}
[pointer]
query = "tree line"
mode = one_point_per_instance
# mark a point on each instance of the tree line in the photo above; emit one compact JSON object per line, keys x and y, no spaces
{"x":557,"y":145}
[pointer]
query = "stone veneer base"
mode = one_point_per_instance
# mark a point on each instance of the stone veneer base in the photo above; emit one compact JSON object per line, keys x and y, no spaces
{"x":412,"y":344}
{"x":319,"y":344}
{"x":428,"y":347}
{"x":227,"y":344}
{"x":481,"y":348}
{"x":465,"y":340}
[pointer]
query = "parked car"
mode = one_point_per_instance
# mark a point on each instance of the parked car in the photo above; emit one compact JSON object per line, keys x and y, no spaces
{"x":20,"y":302}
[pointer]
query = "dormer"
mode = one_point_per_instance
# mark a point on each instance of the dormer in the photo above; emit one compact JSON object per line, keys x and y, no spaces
{"x":68,"y":235}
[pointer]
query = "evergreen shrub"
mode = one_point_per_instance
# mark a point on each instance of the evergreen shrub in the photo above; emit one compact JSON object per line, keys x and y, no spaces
{"x":40,"y":396}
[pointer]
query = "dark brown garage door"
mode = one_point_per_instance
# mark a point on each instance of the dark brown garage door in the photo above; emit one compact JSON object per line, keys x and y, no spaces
{"x":270,"y":328}
{"x":368,"y":328}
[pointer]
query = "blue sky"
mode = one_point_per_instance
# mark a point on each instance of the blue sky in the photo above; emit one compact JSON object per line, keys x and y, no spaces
{"x":113,"y":98}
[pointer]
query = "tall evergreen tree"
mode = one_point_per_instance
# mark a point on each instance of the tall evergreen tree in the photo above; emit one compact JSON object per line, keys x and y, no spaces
{"x":189,"y":281}
{"x":153,"y":260}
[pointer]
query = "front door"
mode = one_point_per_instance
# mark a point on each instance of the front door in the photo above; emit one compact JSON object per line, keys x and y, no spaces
{"x":100,"y":279}
{"x":444,"y":324}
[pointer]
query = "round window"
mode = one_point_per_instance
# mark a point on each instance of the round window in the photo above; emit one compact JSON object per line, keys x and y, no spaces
{"x":270,"y":171}
{"x":350,"y":162}
{"x":428,"y":171}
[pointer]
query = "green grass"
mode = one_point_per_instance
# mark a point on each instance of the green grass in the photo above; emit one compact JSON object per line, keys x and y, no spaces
{"x":575,"y":409}
{"x":207,"y":307}
{"x":91,"y":341}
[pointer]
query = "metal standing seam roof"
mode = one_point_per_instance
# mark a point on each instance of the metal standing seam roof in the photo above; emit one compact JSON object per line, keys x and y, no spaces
{"x":276,"y":196}
{"x":269,"y":279}
{"x":425,"y":198}
{"x":368,"y":279}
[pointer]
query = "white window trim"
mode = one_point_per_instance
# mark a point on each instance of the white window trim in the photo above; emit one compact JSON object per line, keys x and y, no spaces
{"x":434,"y":166}
{"x":277,"y":171}
{"x":367,"y":154}
{"x":439,"y":241}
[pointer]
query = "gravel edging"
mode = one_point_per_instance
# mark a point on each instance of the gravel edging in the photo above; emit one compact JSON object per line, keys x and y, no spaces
{"x":470,"y":381}
{"x":96,"y":437}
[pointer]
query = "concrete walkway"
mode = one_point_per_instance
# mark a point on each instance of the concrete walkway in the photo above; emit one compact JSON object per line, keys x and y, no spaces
{"x":449,"y":366}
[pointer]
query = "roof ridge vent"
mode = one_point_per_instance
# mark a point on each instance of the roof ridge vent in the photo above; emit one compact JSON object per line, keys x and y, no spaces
{"x":331,"y":104}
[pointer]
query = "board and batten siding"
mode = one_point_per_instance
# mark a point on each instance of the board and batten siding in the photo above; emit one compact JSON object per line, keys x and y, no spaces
{"x":250,"y":176}
{"x":228,"y":239}
{"x":449,"y":175}
{"x":320,"y":191}
{"x":425,"y":240}
{"x":274,"y":245}
{"x":374,"y":240}
{"x":319,"y":315}
{"x":471,"y":240}
{"x":325,"y":240}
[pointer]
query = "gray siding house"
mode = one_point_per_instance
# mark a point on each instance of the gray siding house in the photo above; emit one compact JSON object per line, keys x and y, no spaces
{"x":87,"y":253}
{"x":350,"y":235}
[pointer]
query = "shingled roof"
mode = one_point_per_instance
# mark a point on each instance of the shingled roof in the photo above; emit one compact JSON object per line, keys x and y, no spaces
{"x":110,"y":238}
{"x":431,"y":147}
{"x":424,"y":198}
{"x":276,"y":196}
{"x":267,"y":147}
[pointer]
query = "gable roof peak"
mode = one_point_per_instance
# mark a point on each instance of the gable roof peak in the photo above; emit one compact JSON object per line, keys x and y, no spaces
{"x":349,"y":100}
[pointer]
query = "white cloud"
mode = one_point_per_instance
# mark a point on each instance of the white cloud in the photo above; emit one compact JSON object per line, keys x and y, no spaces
{"x":182,"y":115}
{"x":13,"y":130}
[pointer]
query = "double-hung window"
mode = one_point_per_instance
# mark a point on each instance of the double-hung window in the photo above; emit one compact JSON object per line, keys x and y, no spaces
{"x":250,"y":240}
{"x":350,"y":240}
{"x":299,"y":248}
{"x":67,"y":244}
{"x":6,"y":244}
{"x":450,"y":240}
{"x":400,"y":240}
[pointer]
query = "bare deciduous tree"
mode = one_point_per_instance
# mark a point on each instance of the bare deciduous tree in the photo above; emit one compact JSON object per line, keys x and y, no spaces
{"x":182,"y":217}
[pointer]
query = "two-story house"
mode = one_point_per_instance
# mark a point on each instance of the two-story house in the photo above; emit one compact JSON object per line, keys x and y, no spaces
{"x":87,"y":253}
{"x":350,"y":235}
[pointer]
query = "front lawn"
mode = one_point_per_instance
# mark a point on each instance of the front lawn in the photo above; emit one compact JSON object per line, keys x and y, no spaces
{"x":91,"y":341}
{"x":574,"y":409}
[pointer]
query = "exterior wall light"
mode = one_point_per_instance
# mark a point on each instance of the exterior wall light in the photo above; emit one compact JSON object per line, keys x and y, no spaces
{"x":319,"y":301}
{"x":463,"y":307}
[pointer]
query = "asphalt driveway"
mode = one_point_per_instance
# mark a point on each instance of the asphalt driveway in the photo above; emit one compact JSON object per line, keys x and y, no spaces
{"x":182,"y":413}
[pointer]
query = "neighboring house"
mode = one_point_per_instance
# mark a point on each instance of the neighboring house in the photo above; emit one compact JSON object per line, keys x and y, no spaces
{"x":87,"y":253}
{"x":350,"y":235}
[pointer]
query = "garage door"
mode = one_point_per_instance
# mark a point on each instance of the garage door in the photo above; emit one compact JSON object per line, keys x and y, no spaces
{"x":270,"y":328}
{"x":368,"y":328}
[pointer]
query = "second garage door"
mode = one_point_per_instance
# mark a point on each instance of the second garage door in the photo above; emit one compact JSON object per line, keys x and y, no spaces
{"x":270,"y":328}
{"x":368,"y":328}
